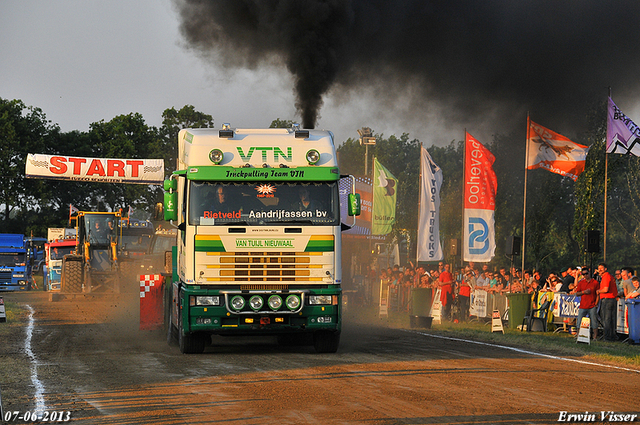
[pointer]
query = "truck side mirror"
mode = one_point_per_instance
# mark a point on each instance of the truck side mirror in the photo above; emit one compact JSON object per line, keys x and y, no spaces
{"x":170,"y":204}
{"x":354,"y":204}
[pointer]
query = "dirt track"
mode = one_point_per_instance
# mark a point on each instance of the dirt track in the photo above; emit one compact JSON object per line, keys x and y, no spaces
{"x":92,"y":361}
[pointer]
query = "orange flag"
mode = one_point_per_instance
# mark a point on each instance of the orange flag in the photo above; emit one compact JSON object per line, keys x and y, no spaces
{"x":554,"y":152}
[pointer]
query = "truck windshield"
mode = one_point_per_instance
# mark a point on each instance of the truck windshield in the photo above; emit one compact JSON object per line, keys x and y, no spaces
{"x":163,"y":243}
{"x":135,"y":242}
{"x":11,"y":259}
{"x":260,"y":204}
{"x":101,"y":229}
{"x":58,"y":252}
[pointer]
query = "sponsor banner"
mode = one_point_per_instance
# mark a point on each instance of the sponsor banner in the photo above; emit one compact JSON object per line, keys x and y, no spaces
{"x":479,"y":235}
{"x":429,"y":247}
{"x":229,"y":243}
{"x":106,"y":170}
{"x":478,"y":306}
{"x":622,"y":323}
{"x":565,"y":305}
{"x":480,"y":184}
{"x":436,"y":307}
{"x":227,"y":173}
{"x":554,"y":152}
{"x":623,"y":135}
{"x":385,"y":188}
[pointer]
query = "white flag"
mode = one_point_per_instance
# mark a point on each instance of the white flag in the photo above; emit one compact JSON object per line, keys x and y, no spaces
{"x":429,"y":248}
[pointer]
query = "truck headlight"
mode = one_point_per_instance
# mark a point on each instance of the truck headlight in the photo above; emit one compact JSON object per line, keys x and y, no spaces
{"x":216,"y":156}
{"x":313,"y":156}
{"x":320,"y":299}
{"x":293,"y":302}
{"x":237,"y":303}
{"x":275,"y":302}
{"x":256,"y":302}
{"x":207,"y":300}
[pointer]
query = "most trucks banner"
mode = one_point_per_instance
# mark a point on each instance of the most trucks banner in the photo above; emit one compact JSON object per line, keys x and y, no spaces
{"x":108,"y":170}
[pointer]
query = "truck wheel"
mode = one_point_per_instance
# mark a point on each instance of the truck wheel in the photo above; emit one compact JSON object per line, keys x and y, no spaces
{"x":172,"y":335}
{"x":295,"y":340}
{"x":326,"y":341}
{"x":172,"y":332}
{"x":72,"y":275}
{"x":189,"y":344}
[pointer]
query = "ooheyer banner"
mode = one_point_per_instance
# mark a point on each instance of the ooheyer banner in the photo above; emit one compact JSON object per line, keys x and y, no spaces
{"x":480,"y":184}
{"x":108,"y":170}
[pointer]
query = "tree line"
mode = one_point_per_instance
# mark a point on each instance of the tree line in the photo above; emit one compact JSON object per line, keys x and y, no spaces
{"x":559,"y":211}
{"x":31,"y":206}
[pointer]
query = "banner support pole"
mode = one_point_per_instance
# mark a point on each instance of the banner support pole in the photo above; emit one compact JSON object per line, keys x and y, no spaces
{"x":524,"y":208}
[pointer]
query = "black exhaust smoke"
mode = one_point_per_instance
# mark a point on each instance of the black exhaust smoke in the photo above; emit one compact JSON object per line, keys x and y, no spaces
{"x":471,"y":60}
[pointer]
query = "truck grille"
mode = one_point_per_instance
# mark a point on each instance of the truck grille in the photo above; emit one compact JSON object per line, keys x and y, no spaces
{"x":5,"y":276}
{"x":264,"y":267}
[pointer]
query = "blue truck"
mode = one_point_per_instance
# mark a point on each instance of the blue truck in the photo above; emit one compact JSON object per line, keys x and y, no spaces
{"x":14,"y":268}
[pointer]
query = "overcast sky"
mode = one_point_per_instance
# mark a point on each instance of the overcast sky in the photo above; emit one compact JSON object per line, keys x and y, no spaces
{"x":82,"y":61}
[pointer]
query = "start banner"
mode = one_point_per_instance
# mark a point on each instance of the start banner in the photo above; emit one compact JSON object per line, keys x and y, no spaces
{"x":106,"y":170}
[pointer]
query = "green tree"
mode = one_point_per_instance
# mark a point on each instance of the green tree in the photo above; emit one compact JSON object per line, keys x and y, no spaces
{"x":278,"y":123}
{"x":126,"y":137}
{"x":166,"y":147}
{"x":23,"y":130}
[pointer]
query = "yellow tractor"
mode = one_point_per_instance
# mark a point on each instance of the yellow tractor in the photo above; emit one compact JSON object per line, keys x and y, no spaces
{"x":93,"y":267}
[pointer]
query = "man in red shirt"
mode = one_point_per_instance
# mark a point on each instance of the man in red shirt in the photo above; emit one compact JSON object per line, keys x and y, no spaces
{"x":446,"y":292}
{"x":608,"y":292}
{"x":586,"y":290}
{"x":464,"y":295}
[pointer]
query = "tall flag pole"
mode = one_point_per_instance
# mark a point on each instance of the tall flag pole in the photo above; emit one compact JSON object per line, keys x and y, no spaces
{"x":429,"y":247}
{"x":524,"y":208}
{"x":480,"y":186}
{"x":553,"y":152}
{"x":385,"y":188}
{"x":606,"y":188}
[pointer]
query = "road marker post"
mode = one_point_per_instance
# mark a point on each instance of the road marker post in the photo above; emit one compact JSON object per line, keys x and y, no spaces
{"x":584,"y":334}
{"x":3,"y":314}
{"x":496,"y":322}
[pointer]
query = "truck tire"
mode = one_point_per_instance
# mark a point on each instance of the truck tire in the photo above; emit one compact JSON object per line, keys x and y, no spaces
{"x":189,"y":344}
{"x":295,"y":340}
{"x":172,"y":335}
{"x":72,"y":275}
{"x":172,"y":331}
{"x":326,"y":341}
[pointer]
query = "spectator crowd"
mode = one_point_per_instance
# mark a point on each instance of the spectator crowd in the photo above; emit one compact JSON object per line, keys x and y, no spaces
{"x":599,"y":289}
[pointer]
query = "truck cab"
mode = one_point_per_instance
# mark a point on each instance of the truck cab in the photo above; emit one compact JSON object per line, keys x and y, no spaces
{"x":14,"y":268}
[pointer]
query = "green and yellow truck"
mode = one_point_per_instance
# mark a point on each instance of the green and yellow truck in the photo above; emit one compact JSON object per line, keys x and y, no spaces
{"x":259,"y":236}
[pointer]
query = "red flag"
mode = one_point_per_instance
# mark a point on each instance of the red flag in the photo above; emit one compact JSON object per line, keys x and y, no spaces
{"x":480,"y":179}
{"x":554,"y":152}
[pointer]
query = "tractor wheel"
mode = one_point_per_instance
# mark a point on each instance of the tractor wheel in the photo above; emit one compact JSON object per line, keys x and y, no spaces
{"x":72,"y":275}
